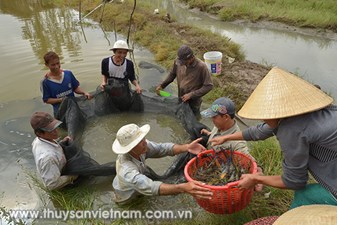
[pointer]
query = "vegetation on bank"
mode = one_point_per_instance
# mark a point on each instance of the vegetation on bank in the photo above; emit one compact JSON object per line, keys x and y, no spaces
{"x":163,"y":38}
{"x":301,"y":13}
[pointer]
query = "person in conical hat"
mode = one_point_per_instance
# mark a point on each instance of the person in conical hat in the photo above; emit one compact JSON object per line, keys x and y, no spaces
{"x":304,"y":121}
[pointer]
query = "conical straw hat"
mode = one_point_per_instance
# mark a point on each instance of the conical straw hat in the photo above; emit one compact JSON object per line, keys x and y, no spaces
{"x":281,"y":94}
{"x":309,"y":215}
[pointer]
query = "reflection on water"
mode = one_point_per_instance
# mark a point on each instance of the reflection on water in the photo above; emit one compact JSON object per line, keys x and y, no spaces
{"x":101,"y":132}
{"x":312,"y":57}
{"x":16,"y":137}
{"x":37,"y":27}
{"x":45,"y":27}
{"x":33,"y":27}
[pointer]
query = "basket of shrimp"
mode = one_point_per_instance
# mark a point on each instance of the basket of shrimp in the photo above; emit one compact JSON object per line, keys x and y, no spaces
{"x":220,"y":171}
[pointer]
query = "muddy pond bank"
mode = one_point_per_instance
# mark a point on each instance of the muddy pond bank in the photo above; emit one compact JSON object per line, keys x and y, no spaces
{"x":302,"y":54}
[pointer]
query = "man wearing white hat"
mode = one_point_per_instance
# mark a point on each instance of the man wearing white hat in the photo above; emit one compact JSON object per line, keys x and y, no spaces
{"x":132,"y":149}
{"x":117,"y":71}
{"x":305,"y":123}
{"x":48,"y":154}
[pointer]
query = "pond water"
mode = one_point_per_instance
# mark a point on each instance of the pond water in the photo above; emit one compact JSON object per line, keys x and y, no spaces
{"x":30,"y":28}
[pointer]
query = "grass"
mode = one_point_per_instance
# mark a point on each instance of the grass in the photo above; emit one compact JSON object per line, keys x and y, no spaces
{"x":76,"y":197}
{"x":163,"y":39}
{"x":302,"y":13}
{"x":158,"y":35}
{"x":267,"y":153}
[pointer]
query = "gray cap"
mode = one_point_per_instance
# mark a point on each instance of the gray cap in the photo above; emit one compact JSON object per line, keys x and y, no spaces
{"x":44,"y":121}
{"x":222,"y":106}
{"x":184,"y":53}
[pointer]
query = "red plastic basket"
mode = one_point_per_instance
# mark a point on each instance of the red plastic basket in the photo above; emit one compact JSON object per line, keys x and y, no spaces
{"x":226,"y":199}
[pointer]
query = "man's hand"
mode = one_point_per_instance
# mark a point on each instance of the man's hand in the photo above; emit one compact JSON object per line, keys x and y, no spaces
{"x":205,"y":131}
{"x":138,"y":89}
{"x":186,"y":97}
{"x":195,"y":189}
{"x":248,"y":181}
{"x":87,"y":95}
{"x":259,"y":187}
{"x":66,"y":140}
{"x":158,"y":89}
{"x":103,"y":84}
{"x":194,"y":147}
{"x":218,"y":140}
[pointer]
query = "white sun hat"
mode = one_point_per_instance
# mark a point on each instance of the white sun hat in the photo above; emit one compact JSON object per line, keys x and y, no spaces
{"x":281,"y":94}
{"x":120,"y":44}
{"x":309,"y":215}
{"x":128,"y":137}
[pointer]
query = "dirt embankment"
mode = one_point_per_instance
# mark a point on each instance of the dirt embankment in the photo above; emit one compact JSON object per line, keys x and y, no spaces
{"x":163,"y":36}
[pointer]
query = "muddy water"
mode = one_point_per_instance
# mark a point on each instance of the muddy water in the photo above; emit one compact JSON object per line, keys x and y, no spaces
{"x":314,"y":58}
{"x":28,"y":29}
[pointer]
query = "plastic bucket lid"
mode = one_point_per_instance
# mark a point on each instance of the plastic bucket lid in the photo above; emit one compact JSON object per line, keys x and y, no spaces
{"x":213,"y":56}
{"x":213,"y":61}
{"x":164,"y":93}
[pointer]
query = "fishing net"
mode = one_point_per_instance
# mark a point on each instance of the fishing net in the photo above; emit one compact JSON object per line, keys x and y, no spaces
{"x":75,"y":111}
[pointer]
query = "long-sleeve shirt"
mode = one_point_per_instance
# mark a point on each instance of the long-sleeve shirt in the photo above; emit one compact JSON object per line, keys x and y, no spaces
{"x":130,"y":180}
{"x":308,"y":142}
{"x":194,"y":79}
{"x":50,"y":160}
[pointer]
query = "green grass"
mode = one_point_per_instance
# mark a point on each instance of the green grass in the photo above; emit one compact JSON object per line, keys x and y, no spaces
{"x":163,"y":39}
{"x":155,"y":33}
{"x":303,"y":13}
{"x":76,"y":197}
{"x":267,"y":153}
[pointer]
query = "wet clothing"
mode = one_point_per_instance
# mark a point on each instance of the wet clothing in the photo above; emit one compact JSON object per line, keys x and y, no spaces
{"x":195,"y":79}
{"x":50,"y":160}
{"x":240,"y":146}
{"x":118,"y":77}
{"x":125,"y":71}
{"x":59,"y":89}
{"x":130,"y":180}
{"x":308,"y":142}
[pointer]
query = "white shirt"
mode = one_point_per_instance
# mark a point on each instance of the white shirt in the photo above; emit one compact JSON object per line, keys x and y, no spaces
{"x":117,"y":71}
{"x":130,"y":180}
{"x":50,"y":160}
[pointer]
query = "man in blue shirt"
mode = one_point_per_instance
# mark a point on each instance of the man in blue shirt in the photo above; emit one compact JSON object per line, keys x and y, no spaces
{"x":57,"y":83}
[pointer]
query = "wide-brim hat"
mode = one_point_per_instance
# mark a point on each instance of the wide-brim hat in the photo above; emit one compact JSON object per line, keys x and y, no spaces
{"x":120,"y":44}
{"x":309,"y":214}
{"x":128,"y":137}
{"x":281,"y":94}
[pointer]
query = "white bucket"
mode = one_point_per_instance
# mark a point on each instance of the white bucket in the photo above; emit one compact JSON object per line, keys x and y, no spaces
{"x":213,"y":62}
